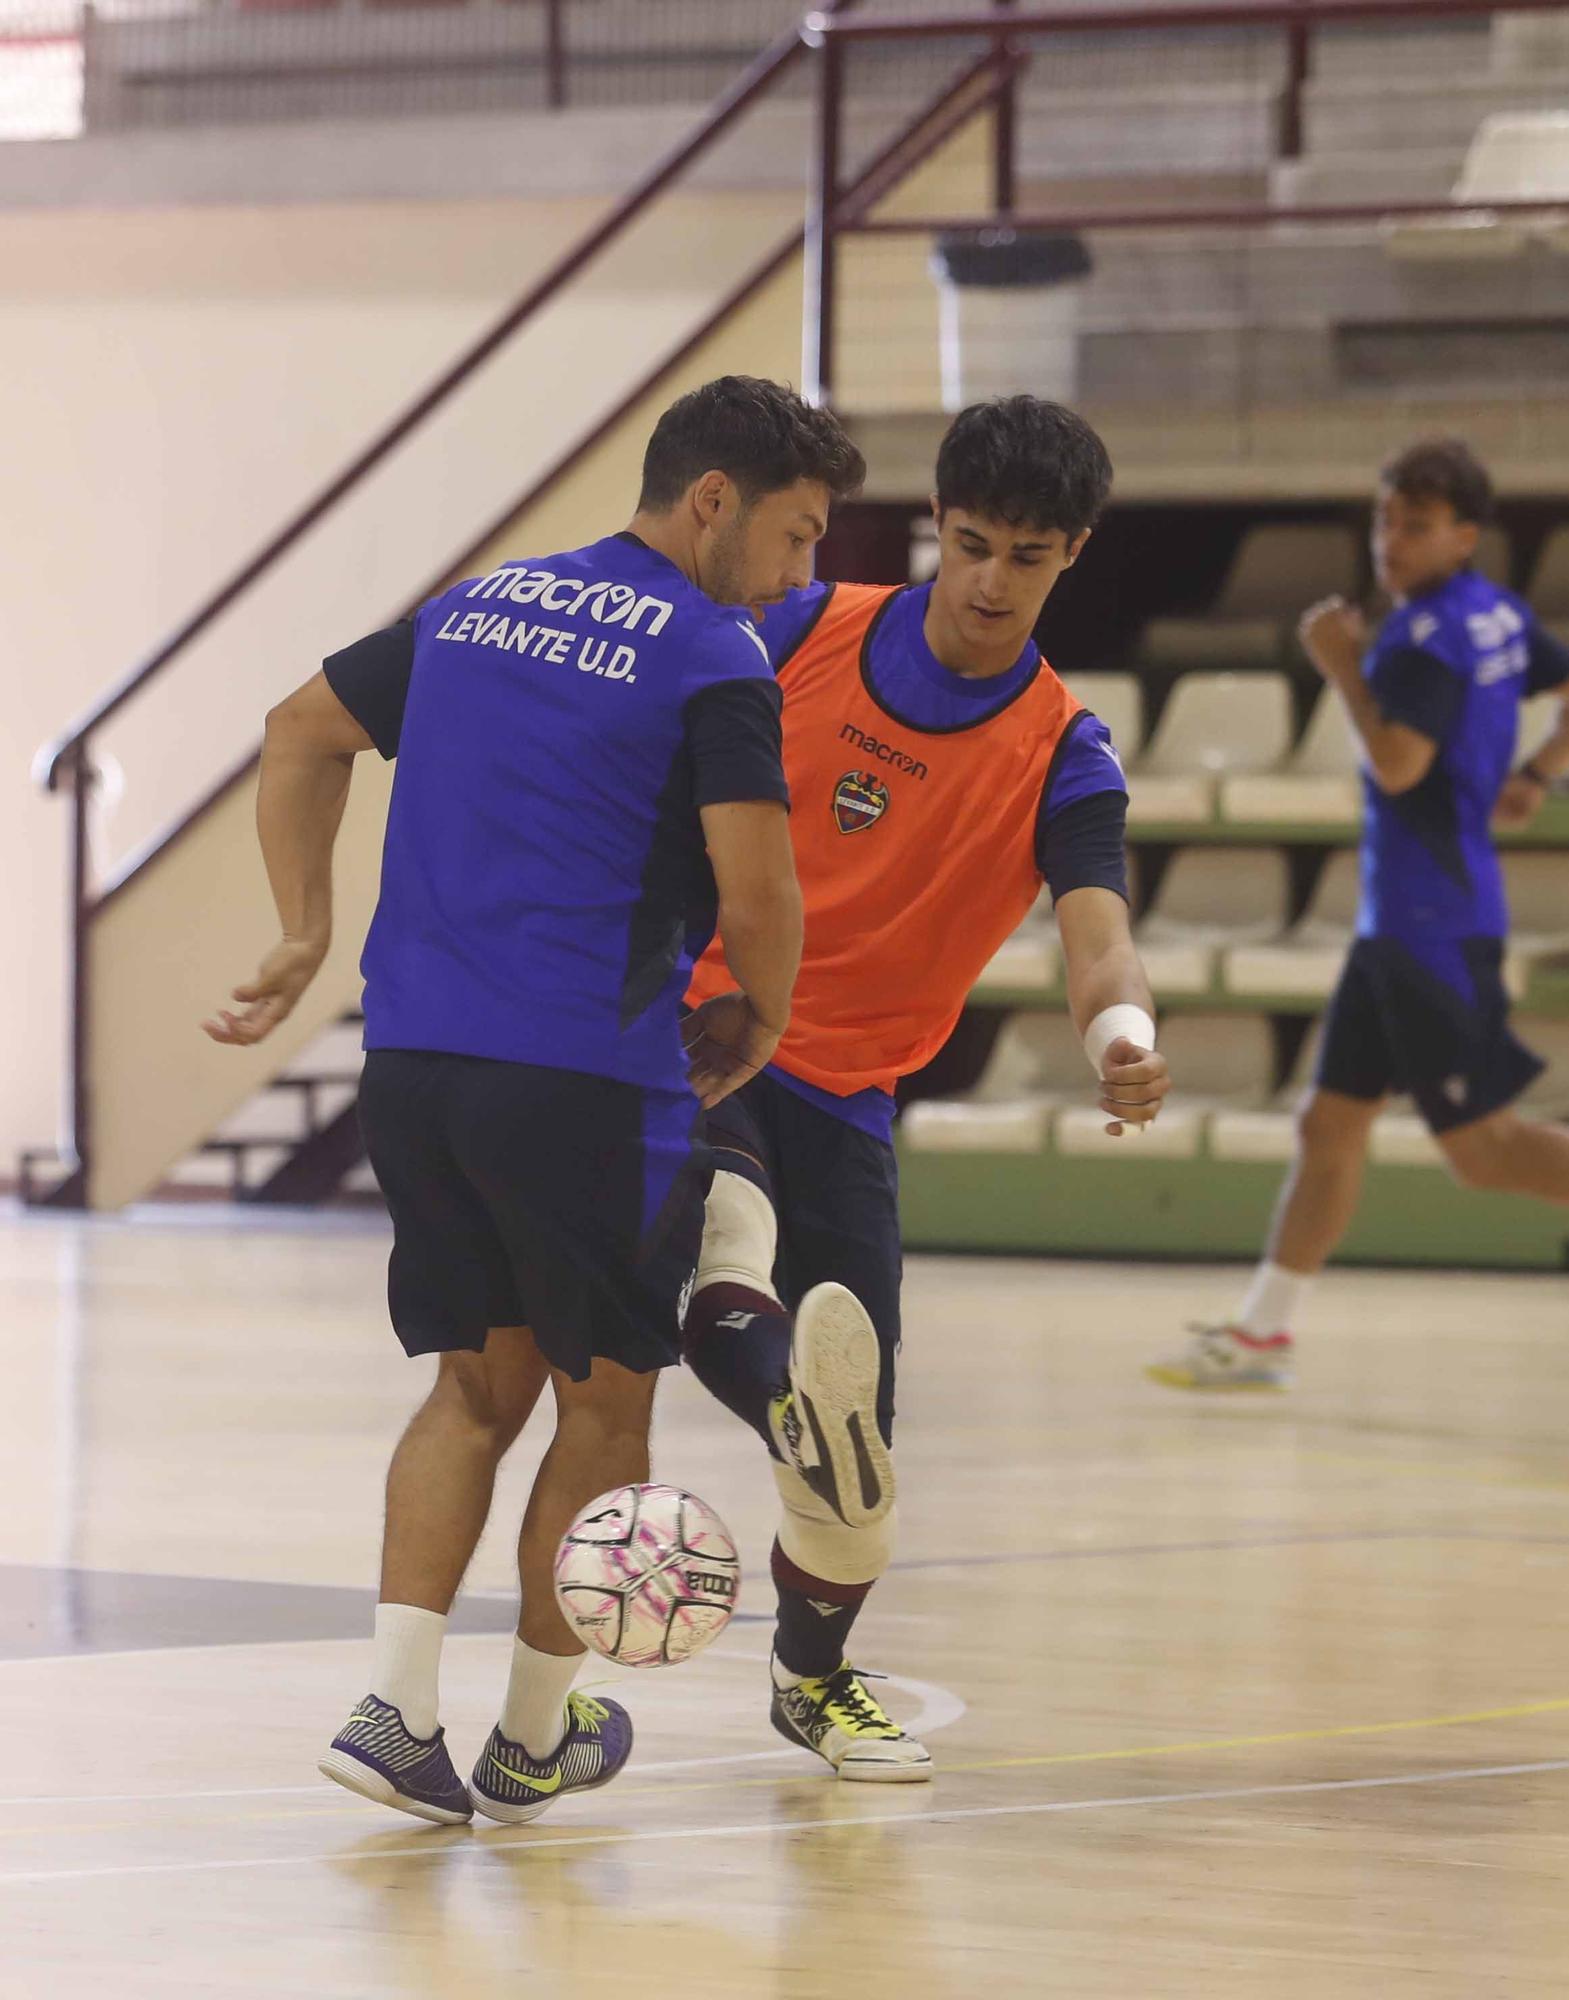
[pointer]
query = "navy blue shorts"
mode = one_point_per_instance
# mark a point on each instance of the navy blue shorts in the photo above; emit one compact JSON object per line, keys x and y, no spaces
{"x":545,"y":1198}
{"x":1431,"y":1020}
{"x":835,"y":1190}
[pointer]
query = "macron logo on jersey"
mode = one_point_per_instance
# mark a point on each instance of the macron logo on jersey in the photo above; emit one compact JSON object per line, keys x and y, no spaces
{"x":756,"y":638}
{"x":1110,"y":750}
{"x":606,"y":603}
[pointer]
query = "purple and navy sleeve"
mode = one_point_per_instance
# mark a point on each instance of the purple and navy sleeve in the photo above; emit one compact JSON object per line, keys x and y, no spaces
{"x":785,"y":625}
{"x":371,"y":679}
{"x":1419,"y":672}
{"x":1081,"y":829}
{"x":732,"y":718}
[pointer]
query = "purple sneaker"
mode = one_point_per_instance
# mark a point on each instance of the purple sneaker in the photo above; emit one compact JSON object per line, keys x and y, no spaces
{"x":376,"y":1755}
{"x":511,"y":1786}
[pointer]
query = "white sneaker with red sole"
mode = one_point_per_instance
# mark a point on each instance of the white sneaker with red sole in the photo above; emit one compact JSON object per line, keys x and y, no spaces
{"x":1224,"y":1357}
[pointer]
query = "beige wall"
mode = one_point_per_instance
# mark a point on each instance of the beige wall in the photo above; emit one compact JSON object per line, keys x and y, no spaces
{"x":175,"y":381}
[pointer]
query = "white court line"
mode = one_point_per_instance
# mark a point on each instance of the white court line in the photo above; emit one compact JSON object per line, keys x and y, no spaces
{"x":432,"y":1846}
{"x":939,"y":1708}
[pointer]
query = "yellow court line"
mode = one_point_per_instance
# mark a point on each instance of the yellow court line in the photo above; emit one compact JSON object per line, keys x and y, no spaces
{"x":1135,"y":1752}
{"x":1282,"y":1736}
{"x":1131,"y":1754}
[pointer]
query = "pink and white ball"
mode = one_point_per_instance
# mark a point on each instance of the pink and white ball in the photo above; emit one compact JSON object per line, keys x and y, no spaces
{"x":647,"y":1575}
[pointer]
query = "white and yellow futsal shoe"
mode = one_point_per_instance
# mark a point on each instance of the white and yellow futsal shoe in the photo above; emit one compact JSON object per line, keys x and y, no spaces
{"x":1224,"y":1357}
{"x":837,"y":1717}
{"x":825,"y":1424}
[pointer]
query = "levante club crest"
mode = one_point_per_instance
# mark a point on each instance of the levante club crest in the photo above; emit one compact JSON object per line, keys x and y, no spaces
{"x":860,"y":800}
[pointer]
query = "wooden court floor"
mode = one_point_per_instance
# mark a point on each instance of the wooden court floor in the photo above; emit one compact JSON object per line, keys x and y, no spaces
{"x":1256,"y":1698}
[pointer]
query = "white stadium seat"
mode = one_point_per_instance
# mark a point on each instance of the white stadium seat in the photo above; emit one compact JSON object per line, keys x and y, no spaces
{"x":1218,"y":1062}
{"x":1317,"y":785}
{"x":1268,"y":1135}
{"x":1214,"y":725}
{"x":1028,"y":962}
{"x":1211,"y":897}
{"x":1036,"y":1064}
{"x":1515,"y":156}
{"x":1549,"y":592}
{"x":1537,"y":888}
{"x":1538,"y":719}
{"x":1278,"y":571}
{"x":1307,"y":960}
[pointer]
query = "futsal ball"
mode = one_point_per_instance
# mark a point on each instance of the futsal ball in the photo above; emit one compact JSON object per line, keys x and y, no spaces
{"x":647,"y":1575}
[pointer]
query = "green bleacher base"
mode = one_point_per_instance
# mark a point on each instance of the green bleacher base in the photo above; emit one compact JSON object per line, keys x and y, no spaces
{"x":1048,"y":1203}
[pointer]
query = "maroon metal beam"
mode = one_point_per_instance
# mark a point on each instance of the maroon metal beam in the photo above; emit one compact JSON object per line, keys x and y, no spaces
{"x":1005,"y":135}
{"x":555,"y":54}
{"x":821,"y":29}
{"x":820,"y":270}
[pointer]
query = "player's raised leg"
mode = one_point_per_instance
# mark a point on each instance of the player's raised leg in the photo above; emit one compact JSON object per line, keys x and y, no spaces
{"x":807,"y":1382}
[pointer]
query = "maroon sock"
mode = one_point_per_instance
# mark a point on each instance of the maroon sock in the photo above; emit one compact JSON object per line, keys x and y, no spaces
{"x":815,"y":1617}
{"x":737,"y":1344}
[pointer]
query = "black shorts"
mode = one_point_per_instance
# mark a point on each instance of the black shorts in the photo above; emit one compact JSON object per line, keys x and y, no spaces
{"x":544,"y":1198}
{"x":835,"y":1190}
{"x":1431,"y":1020}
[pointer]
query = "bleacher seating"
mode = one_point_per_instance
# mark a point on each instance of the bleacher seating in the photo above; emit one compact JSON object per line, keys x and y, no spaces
{"x":1549,"y":589}
{"x":1035,"y":1067}
{"x":1215,"y":725}
{"x":1315,"y":785}
{"x":1268,"y":1133}
{"x":1306,"y":962}
{"x":1212,"y":898}
{"x":1226,"y":1062}
{"x":1278,"y":571}
{"x":1537,"y":886}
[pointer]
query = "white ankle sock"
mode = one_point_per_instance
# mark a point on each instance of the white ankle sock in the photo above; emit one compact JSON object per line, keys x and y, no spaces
{"x":784,"y":1680}
{"x":408,"y":1662}
{"x":535,"y":1710}
{"x":1273,"y":1301}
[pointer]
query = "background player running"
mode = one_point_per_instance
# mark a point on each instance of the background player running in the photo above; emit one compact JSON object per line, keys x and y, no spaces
{"x":939,"y":772}
{"x":571,"y":732}
{"x":1421,"y":1006}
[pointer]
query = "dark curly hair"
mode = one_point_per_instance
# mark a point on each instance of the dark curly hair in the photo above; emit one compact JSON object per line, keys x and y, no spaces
{"x":760,"y":434}
{"x":1029,"y":463}
{"x":1442,"y":468}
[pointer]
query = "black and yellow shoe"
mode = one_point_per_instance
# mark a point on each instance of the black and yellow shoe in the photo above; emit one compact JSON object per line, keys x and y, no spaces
{"x":838,"y":1718}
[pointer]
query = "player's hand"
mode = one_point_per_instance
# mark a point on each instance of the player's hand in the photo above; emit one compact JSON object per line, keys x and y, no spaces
{"x":271,"y":996}
{"x":1520,"y":800}
{"x":1133,"y":1085}
{"x":1334,"y":637}
{"x":726,"y":1045}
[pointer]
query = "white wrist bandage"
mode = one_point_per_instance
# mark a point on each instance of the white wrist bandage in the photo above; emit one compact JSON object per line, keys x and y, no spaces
{"x":1110,"y":1024}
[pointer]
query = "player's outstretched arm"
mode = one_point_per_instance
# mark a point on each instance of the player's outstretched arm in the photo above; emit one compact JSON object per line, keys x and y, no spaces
{"x":1112,"y":1006}
{"x":307,"y":760}
{"x":732,"y":1036}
